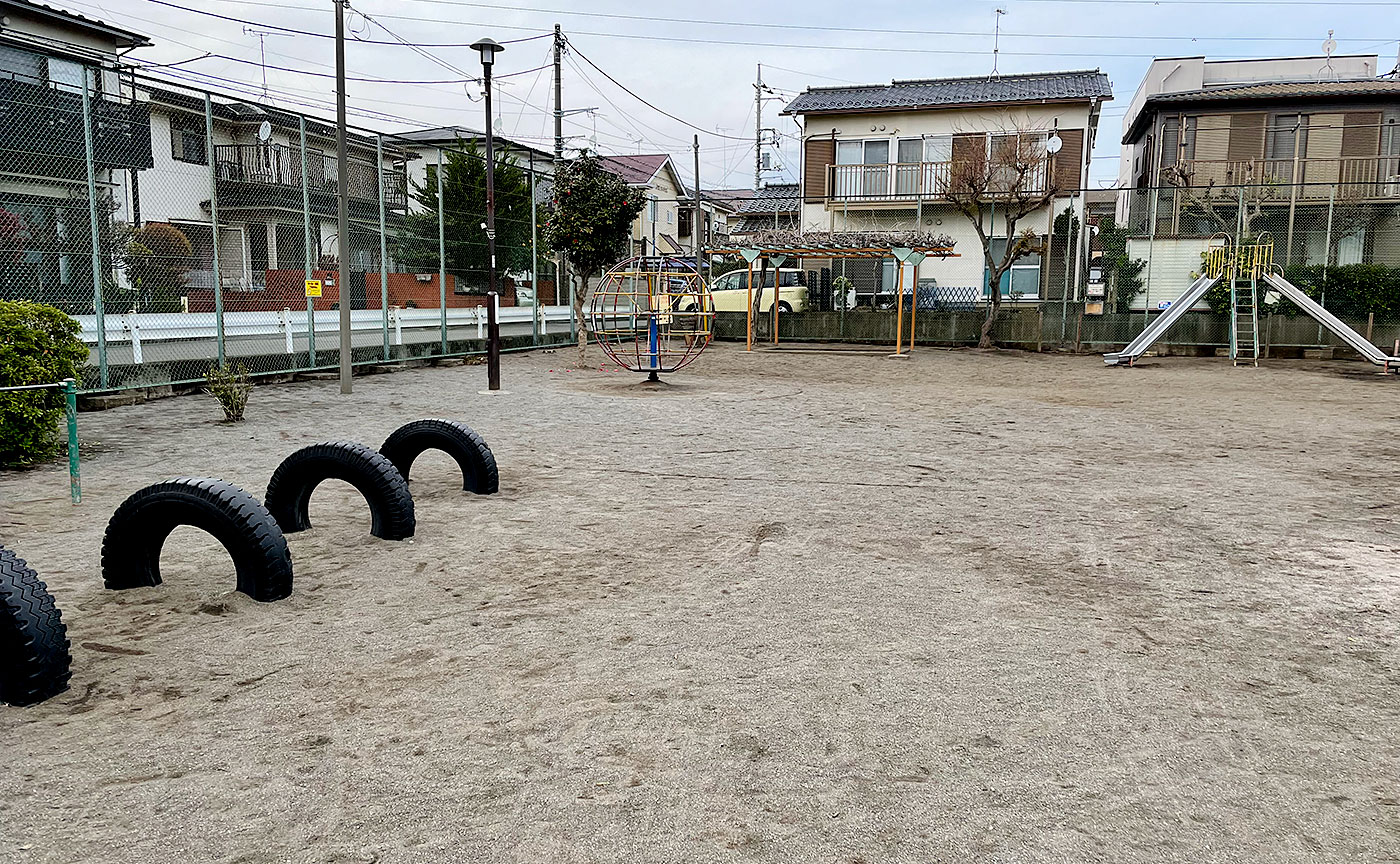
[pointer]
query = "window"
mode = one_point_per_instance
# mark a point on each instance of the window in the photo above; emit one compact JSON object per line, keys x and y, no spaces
{"x":20,"y":65}
{"x":906,"y":173}
{"x":1022,"y":280}
{"x":670,"y":216}
{"x":1285,"y":139}
{"x":1390,"y":151}
{"x":938,"y":148}
{"x":187,"y":142}
{"x":68,"y":76}
{"x":875,"y":182}
{"x":651,"y":209}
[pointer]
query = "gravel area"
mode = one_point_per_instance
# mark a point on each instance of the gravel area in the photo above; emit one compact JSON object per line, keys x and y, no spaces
{"x":791,"y":607}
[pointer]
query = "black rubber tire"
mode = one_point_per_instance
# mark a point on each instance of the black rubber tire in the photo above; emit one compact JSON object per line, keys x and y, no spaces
{"x":137,"y":531}
{"x":376,"y":478}
{"x":784,"y":308}
{"x":34,"y":658}
{"x":478,"y":463}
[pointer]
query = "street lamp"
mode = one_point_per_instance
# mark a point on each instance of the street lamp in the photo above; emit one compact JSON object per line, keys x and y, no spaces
{"x":488,"y":49}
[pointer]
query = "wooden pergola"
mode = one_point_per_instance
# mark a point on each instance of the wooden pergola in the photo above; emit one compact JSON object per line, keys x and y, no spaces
{"x":778,"y":254}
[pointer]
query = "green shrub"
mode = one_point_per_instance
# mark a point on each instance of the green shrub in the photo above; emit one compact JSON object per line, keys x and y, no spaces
{"x":38,"y":345}
{"x":229,"y":384}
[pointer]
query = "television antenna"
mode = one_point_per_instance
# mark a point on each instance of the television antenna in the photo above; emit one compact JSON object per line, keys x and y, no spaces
{"x":996,"y":43}
{"x":262,"y":51}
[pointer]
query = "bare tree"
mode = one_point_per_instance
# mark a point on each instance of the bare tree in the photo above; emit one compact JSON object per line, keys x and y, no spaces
{"x":1010,"y":179}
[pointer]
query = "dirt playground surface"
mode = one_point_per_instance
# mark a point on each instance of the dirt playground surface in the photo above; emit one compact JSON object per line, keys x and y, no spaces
{"x":794,"y":607}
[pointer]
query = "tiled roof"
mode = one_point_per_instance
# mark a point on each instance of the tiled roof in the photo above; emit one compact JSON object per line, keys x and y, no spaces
{"x":1287,"y":89}
{"x":635,"y":170}
{"x":774,"y":198}
{"x":451,"y":134}
{"x":125,"y":38}
{"x":939,"y":92}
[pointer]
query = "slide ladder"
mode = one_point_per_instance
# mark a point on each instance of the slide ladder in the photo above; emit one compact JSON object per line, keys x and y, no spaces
{"x":1359,"y":343}
{"x":1244,"y":326}
{"x":1159,"y":326}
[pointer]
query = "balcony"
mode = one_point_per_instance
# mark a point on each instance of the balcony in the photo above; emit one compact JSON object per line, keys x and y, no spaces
{"x":908,"y":182}
{"x":269,"y":176}
{"x":1364,"y":177}
{"x":41,"y":132}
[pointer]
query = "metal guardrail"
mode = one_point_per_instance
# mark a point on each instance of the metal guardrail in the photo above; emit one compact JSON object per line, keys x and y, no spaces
{"x":291,"y":324}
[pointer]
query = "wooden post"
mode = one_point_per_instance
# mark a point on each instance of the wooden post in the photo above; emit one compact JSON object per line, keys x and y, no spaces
{"x":748,"y":312}
{"x":914,"y":306}
{"x":1039,"y":329}
{"x":1370,"y":322}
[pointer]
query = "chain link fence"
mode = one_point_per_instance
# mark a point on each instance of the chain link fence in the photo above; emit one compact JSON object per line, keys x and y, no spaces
{"x":183,"y":229}
{"x":1094,"y":287}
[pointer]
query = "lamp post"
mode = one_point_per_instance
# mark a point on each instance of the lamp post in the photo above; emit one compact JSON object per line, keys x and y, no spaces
{"x":489,"y":48}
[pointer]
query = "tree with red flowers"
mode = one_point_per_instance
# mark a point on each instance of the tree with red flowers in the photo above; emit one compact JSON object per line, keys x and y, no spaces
{"x":590,"y":222}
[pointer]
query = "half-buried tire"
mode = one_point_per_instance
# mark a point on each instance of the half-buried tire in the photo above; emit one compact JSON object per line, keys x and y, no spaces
{"x":476,"y":460}
{"x":137,"y":531}
{"x":376,"y":478}
{"x":33,"y":641}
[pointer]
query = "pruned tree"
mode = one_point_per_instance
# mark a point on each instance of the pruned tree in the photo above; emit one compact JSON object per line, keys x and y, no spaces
{"x":1002,"y":185}
{"x":590,"y":222}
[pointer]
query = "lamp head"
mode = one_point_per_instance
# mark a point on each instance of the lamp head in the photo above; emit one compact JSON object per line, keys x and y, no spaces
{"x":488,"y":48}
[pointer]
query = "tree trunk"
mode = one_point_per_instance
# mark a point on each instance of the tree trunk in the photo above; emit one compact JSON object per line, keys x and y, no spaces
{"x":993,"y":307}
{"x":581,"y":321}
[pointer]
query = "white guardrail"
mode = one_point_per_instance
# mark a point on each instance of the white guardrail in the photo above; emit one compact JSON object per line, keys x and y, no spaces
{"x":423,"y":325}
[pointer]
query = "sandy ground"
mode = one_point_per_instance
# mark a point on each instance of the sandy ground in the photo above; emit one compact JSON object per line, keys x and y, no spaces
{"x":794,"y":607}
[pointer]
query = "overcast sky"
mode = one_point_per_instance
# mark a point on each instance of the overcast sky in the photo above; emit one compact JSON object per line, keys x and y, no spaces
{"x":696,"y":70}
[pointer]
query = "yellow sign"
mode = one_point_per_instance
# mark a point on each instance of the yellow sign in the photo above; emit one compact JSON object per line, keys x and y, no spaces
{"x":313,"y":287}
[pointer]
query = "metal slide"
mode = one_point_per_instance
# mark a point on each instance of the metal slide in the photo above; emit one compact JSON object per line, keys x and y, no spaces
{"x":1159,"y":326}
{"x":1358,"y":342}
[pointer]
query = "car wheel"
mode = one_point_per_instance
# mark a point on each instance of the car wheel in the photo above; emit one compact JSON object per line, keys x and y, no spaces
{"x":784,"y":307}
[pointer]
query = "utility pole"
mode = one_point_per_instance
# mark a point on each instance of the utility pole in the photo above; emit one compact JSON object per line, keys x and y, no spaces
{"x":558,"y":95}
{"x":342,"y":282}
{"x":698,"y":225}
{"x":758,"y":130}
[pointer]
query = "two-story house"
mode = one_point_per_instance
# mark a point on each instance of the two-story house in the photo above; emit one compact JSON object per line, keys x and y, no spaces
{"x":885,"y":156}
{"x":258,"y":178}
{"x":47,"y":57}
{"x":1309,"y":145}
{"x":656,"y":230}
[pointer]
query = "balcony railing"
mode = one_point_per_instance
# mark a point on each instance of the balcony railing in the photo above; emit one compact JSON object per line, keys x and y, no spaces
{"x":1361,"y":176}
{"x":280,"y":165}
{"x":41,"y":131}
{"x":910,"y":181}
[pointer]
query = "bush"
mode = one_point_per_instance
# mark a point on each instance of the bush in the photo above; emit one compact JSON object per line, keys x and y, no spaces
{"x":38,"y":345}
{"x":1348,"y":291}
{"x":229,"y":384}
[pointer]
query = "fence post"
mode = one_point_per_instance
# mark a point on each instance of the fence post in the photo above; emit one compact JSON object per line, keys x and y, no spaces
{"x":96,"y":238}
{"x":214,"y":224}
{"x":383,"y":244}
{"x":135,"y":330}
{"x":306,"y":221}
{"x":285,"y":319}
{"x":1151,"y":243}
{"x":70,"y":411}
{"x":534,"y":257}
{"x":442,"y":256}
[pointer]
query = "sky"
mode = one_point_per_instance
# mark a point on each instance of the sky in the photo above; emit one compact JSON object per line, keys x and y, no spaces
{"x":698,"y":61}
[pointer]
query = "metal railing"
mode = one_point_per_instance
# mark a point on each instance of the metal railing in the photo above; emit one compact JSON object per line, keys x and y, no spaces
{"x":280,"y":165}
{"x":1365,"y":176}
{"x":911,"y":181}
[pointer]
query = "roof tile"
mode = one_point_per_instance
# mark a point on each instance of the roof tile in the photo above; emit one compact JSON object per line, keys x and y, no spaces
{"x":937,"y":92}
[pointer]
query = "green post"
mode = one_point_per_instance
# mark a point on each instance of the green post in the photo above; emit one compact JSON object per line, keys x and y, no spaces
{"x":96,"y":237}
{"x":534,"y":258}
{"x":214,"y":224}
{"x":383,"y":247}
{"x":306,"y":223}
{"x":70,"y":407}
{"x":442,"y":257}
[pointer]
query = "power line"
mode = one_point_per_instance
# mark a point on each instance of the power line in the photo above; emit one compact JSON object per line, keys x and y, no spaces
{"x":629,"y":92}
{"x":328,"y":35}
{"x":753,"y":25}
{"x":862,"y":48}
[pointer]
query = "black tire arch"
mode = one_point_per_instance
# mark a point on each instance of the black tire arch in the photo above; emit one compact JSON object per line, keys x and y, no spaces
{"x":458,"y":440}
{"x":372,"y":474}
{"x":139,"y":527}
{"x":34,"y":658}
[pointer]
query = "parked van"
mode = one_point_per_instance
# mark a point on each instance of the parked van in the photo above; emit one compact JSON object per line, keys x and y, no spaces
{"x":731,"y":291}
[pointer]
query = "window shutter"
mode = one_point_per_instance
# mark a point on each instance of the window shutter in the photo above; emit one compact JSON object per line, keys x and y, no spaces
{"x":1246,"y":136}
{"x":1070,"y":160}
{"x":969,"y":157}
{"x":1362,"y":134}
{"x":818,"y":153}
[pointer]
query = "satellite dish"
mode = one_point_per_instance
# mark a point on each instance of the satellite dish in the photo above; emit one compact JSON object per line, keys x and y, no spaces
{"x":1053,"y":144}
{"x":1329,"y":45}
{"x":265,"y":132}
